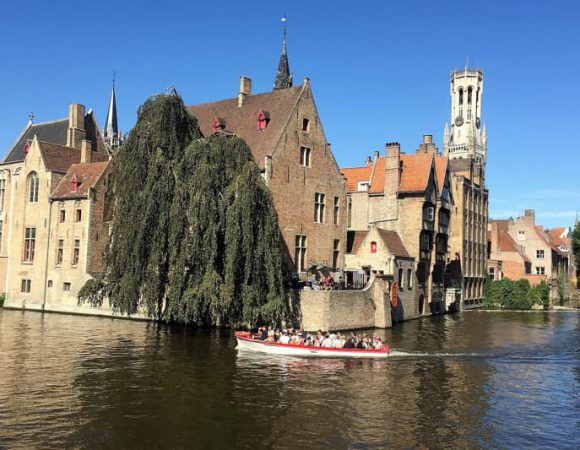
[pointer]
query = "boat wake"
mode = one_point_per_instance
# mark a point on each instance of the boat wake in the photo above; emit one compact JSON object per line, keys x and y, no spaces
{"x":402,"y":354}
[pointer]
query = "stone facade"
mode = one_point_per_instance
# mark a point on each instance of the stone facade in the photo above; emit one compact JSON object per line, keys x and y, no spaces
{"x":466,"y":145}
{"x":284,"y":132}
{"x":409,"y":194}
{"x":55,"y":195}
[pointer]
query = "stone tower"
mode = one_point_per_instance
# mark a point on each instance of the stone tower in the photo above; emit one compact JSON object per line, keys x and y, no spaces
{"x":467,"y":137}
{"x":465,"y":142}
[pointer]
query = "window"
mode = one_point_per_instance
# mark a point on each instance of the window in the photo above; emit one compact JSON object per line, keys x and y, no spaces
{"x":300,"y":253}
{"x":319,"y":207}
{"x":62,"y":215}
{"x":66,"y":287}
{"x":262,"y":120}
{"x":59,"y":252}
{"x":492,"y":272}
{"x":33,"y":187}
{"x":401,"y":273}
{"x":409,"y":278}
{"x":335,"y":253}
{"x":540,"y":270}
{"x":336,"y":209}
{"x":305,"y":124}
{"x":521,"y":235}
{"x":49,"y":283}
{"x":461,"y":96}
{"x":29,"y":244}
{"x":429,"y":213}
{"x":25,"y":286}
{"x":79,"y":215}
{"x":373,"y":247}
{"x":2,"y":193}
{"x":305,"y":156}
{"x":363,"y":186}
{"x":540,"y":254}
{"x":76,"y":251}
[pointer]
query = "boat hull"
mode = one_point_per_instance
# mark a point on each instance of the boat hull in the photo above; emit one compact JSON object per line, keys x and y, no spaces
{"x":247,"y":343}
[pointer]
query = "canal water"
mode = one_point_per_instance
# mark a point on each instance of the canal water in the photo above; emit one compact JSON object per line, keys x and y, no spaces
{"x":470,"y":380}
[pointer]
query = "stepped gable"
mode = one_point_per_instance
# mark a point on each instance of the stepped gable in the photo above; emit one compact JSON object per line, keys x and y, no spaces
{"x":55,"y":131}
{"x":354,"y":239}
{"x":243,"y":121}
{"x":354,"y":175}
{"x":86,"y":176}
{"x":394,"y":243}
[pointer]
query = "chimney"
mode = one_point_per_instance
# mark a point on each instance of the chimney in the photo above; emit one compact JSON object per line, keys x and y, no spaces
{"x":368,"y":160}
{"x":245,"y":90}
{"x":376,"y":155}
{"x":427,"y":145}
{"x":392,"y":167}
{"x":86,"y":147}
{"x":530,"y":214}
{"x":76,"y":125}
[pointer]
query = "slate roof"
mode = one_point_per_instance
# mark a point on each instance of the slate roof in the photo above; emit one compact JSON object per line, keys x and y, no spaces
{"x":354,"y":239}
{"x":59,"y":158}
{"x":394,"y":243}
{"x":87,"y":175}
{"x":55,"y":131}
{"x":244,"y":121}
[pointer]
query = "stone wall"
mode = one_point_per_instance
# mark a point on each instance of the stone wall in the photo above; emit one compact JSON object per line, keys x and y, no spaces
{"x":346,"y":310}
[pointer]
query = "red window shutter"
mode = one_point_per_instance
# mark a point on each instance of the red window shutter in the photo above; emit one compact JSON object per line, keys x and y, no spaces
{"x":373,"y":247}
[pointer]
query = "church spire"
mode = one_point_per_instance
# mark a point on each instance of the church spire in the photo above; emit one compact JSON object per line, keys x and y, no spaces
{"x":283,"y":77}
{"x":111,"y":134}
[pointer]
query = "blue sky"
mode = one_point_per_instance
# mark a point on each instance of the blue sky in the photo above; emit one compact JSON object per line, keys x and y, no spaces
{"x":379,"y":71}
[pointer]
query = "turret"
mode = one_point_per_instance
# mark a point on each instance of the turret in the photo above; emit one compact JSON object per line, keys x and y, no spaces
{"x":111,"y":133}
{"x":283,"y":78}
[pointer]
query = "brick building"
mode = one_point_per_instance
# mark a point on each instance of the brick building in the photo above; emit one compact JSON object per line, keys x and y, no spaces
{"x":285,"y":134}
{"x":465,"y":143}
{"x":525,"y":250}
{"x":52,"y":193}
{"x":409,"y":194}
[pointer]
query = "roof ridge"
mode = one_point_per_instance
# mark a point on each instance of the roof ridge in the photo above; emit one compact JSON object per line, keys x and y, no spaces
{"x":229,"y":99}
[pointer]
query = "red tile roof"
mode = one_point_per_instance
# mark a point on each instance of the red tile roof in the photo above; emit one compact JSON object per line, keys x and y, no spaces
{"x":354,"y":239}
{"x":243,"y":121}
{"x":558,"y":236}
{"x":507,"y":244}
{"x":441,"y":164}
{"x":354,"y":175}
{"x":87,"y":176}
{"x":378,"y":182}
{"x":394,"y":243}
{"x":416,"y":172}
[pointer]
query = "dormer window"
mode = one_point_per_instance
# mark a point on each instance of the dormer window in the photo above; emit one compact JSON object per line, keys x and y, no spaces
{"x":373,"y":247}
{"x":218,"y":124}
{"x":263,"y":120}
{"x":27,"y":146}
{"x":363,"y":185}
{"x":75,"y":183}
{"x":305,"y":124}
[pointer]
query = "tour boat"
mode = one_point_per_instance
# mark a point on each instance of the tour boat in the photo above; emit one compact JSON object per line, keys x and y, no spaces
{"x":247,"y":342}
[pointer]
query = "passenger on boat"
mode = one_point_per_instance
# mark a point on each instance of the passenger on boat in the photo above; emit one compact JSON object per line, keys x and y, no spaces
{"x":271,"y":334}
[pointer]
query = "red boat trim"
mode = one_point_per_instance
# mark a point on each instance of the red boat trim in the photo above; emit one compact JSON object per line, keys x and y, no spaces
{"x":242,"y":335}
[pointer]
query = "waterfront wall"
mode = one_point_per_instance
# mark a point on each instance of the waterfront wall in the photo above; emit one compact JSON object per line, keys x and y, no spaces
{"x":347,"y":310}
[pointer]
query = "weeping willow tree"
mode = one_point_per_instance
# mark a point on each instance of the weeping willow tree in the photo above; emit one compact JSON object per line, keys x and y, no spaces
{"x":195,"y":235}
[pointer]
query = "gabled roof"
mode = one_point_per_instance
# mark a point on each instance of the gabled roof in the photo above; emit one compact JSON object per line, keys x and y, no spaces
{"x":507,"y":244}
{"x":416,"y":172}
{"x":441,"y":164}
{"x":59,"y":158}
{"x":87,"y":175}
{"x":243,"y":121}
{"x":55,"y":131}
{"x":394,"y":243}
{"x":354,"y":239}
{"x":378,"y":182}
{"x":354,"y":175}
{"x":559,"y":236}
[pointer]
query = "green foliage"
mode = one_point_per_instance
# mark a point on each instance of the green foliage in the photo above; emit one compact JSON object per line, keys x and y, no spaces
{"x":516,"y":295}
{"x":2,"y":298}
{"x":562,"y":287}
{"x":195,"y":235}
{"x":93,"y":292}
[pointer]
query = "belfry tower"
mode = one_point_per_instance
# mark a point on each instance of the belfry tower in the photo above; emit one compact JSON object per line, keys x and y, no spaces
{"x":465,"y":143}
{"x":467,"y":137}
{"x":283,"y":78}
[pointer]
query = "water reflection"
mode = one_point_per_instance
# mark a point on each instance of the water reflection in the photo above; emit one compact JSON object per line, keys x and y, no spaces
{"x":474,"y":380}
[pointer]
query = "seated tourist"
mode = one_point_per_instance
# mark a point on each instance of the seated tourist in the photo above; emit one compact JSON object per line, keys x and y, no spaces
{"x":284,"y":338}
{"x":271,"y":334}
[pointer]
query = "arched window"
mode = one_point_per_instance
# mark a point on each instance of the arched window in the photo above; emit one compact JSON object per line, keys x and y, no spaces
{"x":33,"y":183}
{"x":461,"y":96}
{"x":469,"y":98}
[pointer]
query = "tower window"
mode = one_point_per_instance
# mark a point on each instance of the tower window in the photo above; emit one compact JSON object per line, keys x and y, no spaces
{"x":33,"y":183}
{"x":461,"y":96}
{"x":305,"y":124}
